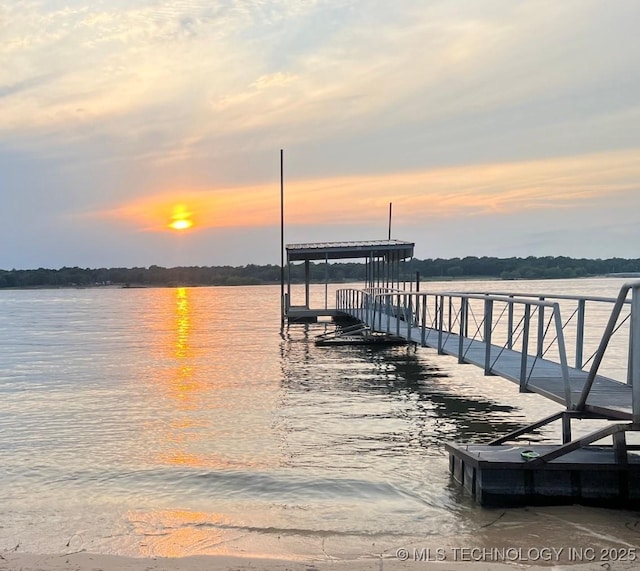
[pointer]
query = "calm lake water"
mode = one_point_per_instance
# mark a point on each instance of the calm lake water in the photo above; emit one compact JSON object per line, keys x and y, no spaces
{"x":183,"y":421}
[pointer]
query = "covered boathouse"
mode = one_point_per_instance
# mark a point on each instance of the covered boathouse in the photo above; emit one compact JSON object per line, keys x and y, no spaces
{"x":382,"y":270}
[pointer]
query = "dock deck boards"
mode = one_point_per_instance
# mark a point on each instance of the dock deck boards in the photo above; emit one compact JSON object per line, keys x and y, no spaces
{"x":506,"y":457}
{"x":607,"y":396}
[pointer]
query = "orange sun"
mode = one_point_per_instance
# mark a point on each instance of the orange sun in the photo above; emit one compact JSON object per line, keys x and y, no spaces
{"x":181,"y":224}
{"x":181,"y":219}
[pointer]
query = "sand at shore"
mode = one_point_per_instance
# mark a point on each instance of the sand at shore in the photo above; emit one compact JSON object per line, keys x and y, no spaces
{"x":96,"y":562}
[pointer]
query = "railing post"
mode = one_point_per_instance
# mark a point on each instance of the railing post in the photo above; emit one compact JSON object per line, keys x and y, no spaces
{"x":562,"y":353}
{"x":580,"y":333}
{"x":450,"y":312}
{"x":525,"y":348}
{"x":388,"y":303}
{"x":424,"y":320}
{"x":365,"y":306}
{"x":440,"y":323}
{"x":540,"y":345}
{"x":398,"y":315}
{"x":463,"y":318}
{"x":488,"y":322}
{"x":410,"y":319}
{"x":510,"y":324}
{"x":606,"y":336}
{"x":374,"y":304}
{"x":635,"y":352}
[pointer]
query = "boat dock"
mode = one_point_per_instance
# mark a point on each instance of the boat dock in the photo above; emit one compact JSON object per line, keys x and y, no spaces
{"x":382,"y":269}
{"x":534,"y":340}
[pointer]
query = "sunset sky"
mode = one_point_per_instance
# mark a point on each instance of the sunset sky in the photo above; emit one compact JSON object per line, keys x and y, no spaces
{"x":496,"y":127}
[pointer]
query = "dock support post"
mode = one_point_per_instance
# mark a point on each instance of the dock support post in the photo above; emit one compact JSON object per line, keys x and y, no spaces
{"x":306,"y":283}
{"x":326,"y":281}
{"x":566,"y":428}
{"x":488,"y":322}
{"x":525,"y":348}
{"x":620,"y":448}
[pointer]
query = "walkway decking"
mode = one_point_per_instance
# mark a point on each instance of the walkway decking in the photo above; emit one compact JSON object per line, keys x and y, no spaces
{"x":607,"y":397}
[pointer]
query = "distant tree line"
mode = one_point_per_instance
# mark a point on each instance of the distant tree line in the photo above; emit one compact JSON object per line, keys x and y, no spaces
{"x":439,"y":268}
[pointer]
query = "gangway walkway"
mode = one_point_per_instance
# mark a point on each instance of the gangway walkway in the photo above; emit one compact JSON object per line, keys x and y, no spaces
{"x":443,"y":321}
{"x":607,"y":397}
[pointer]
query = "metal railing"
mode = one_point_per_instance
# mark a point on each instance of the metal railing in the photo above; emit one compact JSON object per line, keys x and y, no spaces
{"x":575,"y":306}
{"x":419,"y":316}
{"x":531,"y":324}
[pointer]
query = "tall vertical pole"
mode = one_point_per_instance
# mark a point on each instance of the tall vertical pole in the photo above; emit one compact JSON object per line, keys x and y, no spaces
{"x":390,"y":208}
{"x":281,"y":238}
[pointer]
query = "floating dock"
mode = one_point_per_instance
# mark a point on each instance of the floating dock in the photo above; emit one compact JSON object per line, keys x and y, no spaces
{"x":358,"y":335}
{"x":500,"y":475}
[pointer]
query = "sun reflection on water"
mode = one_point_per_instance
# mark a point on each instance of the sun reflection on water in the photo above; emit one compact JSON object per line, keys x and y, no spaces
{"x":183,"y":323}
{"x":204,"y":418}
{"x":185,"y":381}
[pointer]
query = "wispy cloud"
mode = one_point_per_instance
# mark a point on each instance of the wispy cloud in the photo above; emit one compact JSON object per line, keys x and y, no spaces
{"x":469,"y":109}
{"x":306,"y":69}
{"x":471,"y":191}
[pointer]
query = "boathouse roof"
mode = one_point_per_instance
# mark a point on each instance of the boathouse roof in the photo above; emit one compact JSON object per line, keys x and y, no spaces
{"x":341,"y":250}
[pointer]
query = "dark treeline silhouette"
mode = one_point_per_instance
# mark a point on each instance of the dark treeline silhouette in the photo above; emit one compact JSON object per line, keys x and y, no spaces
{"x":469,"y":267}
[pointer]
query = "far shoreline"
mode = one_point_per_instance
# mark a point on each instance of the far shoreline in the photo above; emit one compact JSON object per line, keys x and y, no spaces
{"x":438,"y":279}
